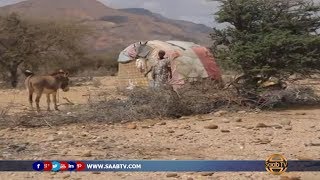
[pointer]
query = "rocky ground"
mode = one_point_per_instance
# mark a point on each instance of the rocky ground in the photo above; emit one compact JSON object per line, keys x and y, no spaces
{"x":219,"y":136}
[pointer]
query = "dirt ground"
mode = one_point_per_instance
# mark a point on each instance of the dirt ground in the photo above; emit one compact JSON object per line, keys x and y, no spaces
{"x":240,"y":136}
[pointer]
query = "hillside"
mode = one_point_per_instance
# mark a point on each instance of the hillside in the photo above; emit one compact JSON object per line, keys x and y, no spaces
{"x":113,"y":29}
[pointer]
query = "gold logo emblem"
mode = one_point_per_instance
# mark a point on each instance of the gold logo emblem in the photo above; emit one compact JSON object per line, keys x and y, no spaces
{"x":276,"y":164}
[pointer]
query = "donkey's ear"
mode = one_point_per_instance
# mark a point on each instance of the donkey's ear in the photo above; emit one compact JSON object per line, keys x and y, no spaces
{"x":134,"y":45}
{"x":146,"y":43}
{"x":140,"y":42}
{"x":67,"y":74}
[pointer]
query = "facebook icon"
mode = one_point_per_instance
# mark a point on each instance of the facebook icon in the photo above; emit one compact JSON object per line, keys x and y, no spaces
{"x":38,"y":166}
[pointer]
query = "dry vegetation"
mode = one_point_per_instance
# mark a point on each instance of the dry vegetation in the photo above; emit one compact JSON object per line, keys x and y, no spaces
{"x":139,"y":104}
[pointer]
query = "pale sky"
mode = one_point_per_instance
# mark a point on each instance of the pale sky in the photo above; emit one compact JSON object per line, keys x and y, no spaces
{"x":198,"y":11}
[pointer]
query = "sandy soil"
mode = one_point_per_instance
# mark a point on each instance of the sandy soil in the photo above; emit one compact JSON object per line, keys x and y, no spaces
{"x":294,"y":133}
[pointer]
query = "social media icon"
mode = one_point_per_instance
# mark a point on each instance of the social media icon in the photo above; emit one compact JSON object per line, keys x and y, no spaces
{"x":55,"y":166}
{"x":80,"y":166}
{"x":47,"y":166}
{"x":72,"y":166}
{"x":64,"y":166}
{"x":38,"y":166}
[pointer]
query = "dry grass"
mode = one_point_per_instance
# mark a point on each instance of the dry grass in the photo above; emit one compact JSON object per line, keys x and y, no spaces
{"x":139,"y":104}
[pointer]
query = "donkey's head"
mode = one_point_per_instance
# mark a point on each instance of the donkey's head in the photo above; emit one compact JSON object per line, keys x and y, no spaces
{"x":63,"y":78}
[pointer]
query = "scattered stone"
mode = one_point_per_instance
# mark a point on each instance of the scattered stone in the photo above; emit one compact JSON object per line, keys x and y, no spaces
{"x":220,"y":113}
{"x":226,"y":121}
{"x":87,"y":154}
{"x":238,"y":120}
{"x":187,"y":127}
{"x":212,"y":126}
{"x":132,"y":126}
{"x":261,"y":125}
{"x":290,"y":178}
{"x":313,"y":144}
{"x":285,"y":122}
{"x":66,"y":176}
{"x":277,"y":126}
{"x":249,"y":127}
{"x":189,"y":178}
{"x":242,"y":112}
{"x":169,"y":175}
{"x":312,"y":127}
{"x":162,"y":123}
{"x":301,"y":114}
{"x":171,"y":131}
{"x":262,"y":141}
{"x":54,"y":138}
{"x":225,"y":131}
{"x":288,"y":128}
{"x":96,"y":173}
{"x":145,"y":127}
{"x":207,"y":174}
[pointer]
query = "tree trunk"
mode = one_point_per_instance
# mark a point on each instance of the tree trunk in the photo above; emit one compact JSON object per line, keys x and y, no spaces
{"x":14,"y":76}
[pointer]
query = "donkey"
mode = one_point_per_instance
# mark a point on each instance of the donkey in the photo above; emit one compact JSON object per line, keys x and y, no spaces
{"x":49,"y":84}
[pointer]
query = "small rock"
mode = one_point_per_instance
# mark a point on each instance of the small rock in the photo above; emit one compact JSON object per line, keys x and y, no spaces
{"x":290,"y":178}
{"x":285,"y":122}
{"x":226,"y":121}
{"x":220,"y":113}
{"x":312,"y":127}
{"x":249,"y":127}
{"x":261,"y":125}
{"x":225,"y":131}
{"x":313,"y":144}
{"x":277,"y":126}
{"x":301,"y":114}
{"x":171,"y":131}
{"x":66,"y":176}
{"x":187,"y":127}
{"x":212,"y":126}
{"x":169,"y":175}
{"x":242,"y":112}
{"x":132,"y":126}
{"x":263,"y":141}
{"x":288,"y":128}
{"x":238,"y":120}
{"x":207,"y":174}
{"x":96,"y":172}
{"x":87,"y":154}
{"x":162,"y":123}
{"x":189,"y":178}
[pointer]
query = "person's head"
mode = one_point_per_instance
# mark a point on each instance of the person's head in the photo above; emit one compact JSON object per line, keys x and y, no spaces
{"x":161,"y":54}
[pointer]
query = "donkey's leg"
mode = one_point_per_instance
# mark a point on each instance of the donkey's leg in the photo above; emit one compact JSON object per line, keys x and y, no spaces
{"x":48,"y":101}
{"x":31,"y":98}
{"x":39,"y":94}
{"x":55,"y":101}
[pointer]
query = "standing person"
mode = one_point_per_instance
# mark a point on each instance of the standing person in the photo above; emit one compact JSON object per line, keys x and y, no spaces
{"x":161,"y":71}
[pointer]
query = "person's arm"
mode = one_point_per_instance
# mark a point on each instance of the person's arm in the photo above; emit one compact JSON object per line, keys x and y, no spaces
{"x":169,"y":69}
{"x":145,"y":75}
{"x":170,"y":72}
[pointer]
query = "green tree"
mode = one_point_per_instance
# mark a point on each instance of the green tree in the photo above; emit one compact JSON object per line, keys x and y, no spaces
{"x":27,"y":43}
{"x":268,"y":38}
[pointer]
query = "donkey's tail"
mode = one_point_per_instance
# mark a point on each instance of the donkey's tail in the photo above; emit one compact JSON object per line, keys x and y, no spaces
{"x":28,"y":73}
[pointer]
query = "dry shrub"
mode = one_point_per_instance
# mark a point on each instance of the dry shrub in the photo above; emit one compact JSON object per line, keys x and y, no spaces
{"x":193,"y":99}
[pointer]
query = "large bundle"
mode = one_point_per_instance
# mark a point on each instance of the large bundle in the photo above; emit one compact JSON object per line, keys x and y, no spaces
{"x":189,"y":62}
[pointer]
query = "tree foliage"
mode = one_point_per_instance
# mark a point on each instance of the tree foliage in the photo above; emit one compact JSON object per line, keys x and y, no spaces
{"x":268,"y":38}
{"x":26,"y":43}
